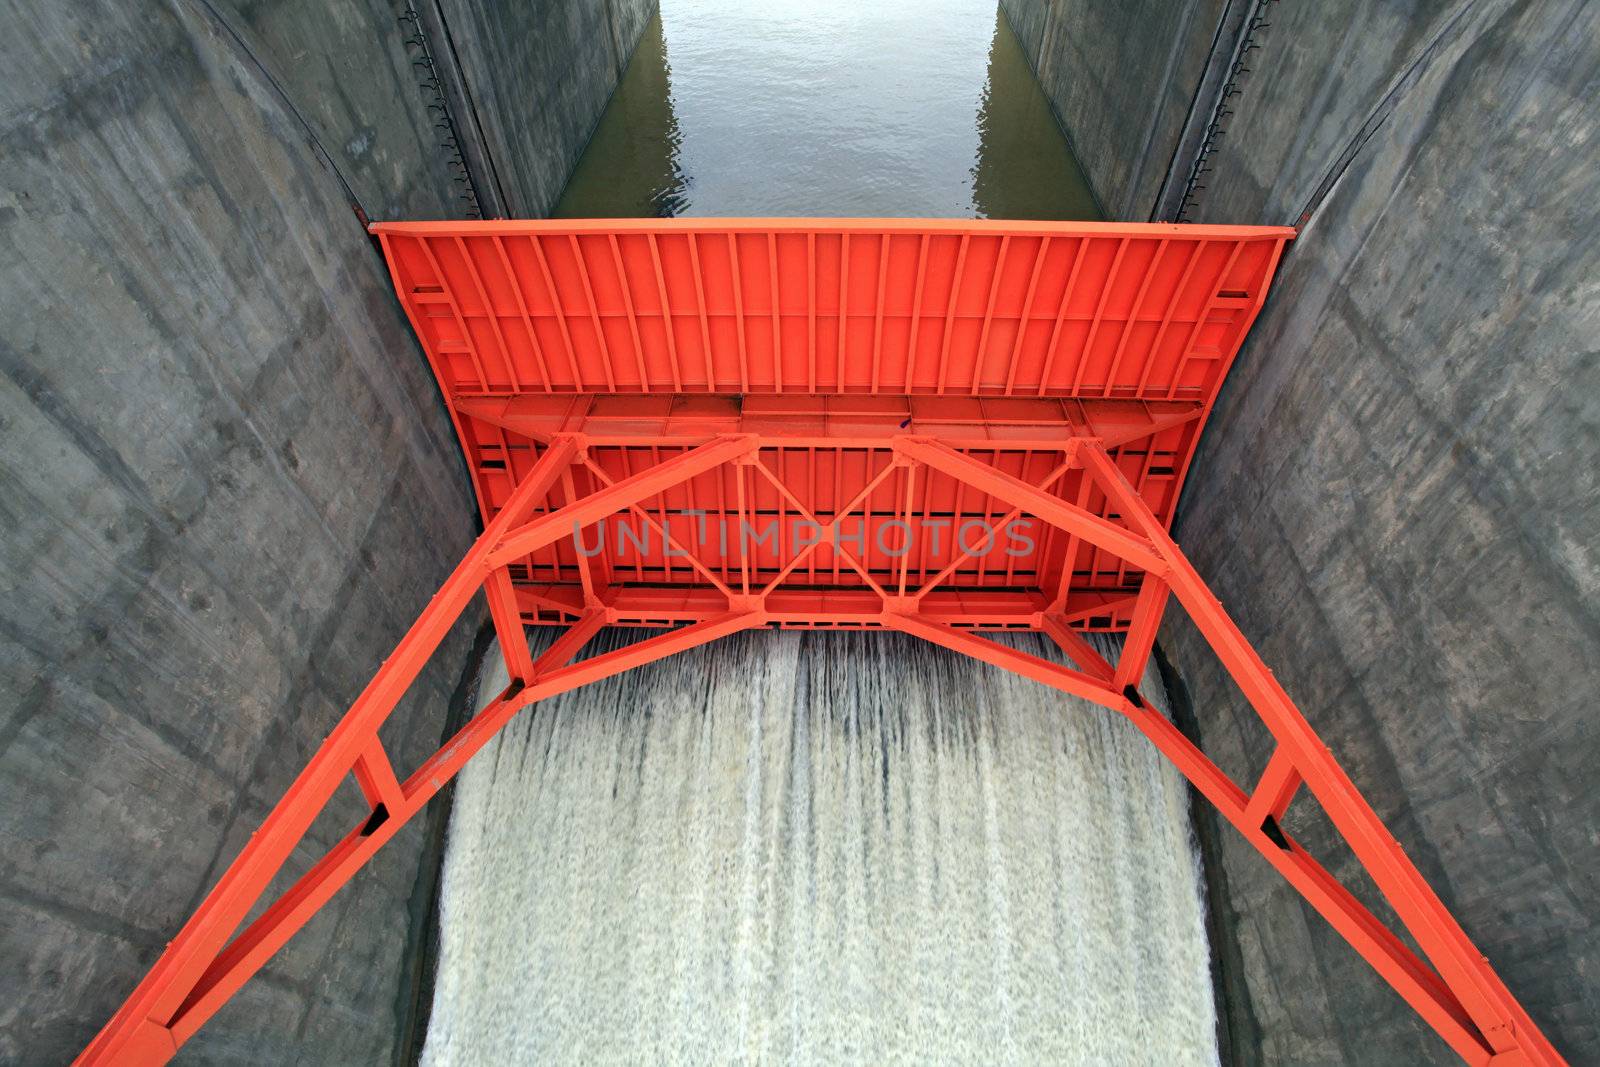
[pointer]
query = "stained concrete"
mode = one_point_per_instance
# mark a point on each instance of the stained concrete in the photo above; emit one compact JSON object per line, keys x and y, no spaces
{"x":227,"y":484}
{"x":1397,"y":496}
{"x":540,"y":75}
{"x":348,"y":73}
{"x":1122,"y":79}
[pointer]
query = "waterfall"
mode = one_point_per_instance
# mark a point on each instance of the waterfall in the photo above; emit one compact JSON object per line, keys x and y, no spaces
{"x":825,"y":847}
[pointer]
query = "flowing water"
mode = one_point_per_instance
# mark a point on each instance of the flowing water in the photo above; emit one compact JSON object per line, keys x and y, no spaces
{"x":822,"y":847}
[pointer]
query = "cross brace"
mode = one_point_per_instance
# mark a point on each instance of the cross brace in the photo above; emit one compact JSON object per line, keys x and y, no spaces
{"x":1451,"y":985}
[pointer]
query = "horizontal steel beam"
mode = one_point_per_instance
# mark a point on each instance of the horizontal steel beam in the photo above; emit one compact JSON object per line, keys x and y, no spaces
{"x":794,"y":420}
{"x":796,"y":605}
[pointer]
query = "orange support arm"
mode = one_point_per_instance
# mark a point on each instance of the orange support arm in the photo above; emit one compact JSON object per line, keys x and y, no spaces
{"x":201,"y":968}
{"x":1466,"y":1001}
{"x":1459,"y":995}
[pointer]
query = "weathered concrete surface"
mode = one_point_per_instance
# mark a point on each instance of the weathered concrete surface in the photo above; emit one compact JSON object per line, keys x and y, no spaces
{"x":1398,"y":495}
{"x":227,"y":485}
{"x":1122,"y":77}
{"x":535,"y":79}
{"x":345,"y":68}
{"x":540,"y":75}
{"x":1320,"y":74}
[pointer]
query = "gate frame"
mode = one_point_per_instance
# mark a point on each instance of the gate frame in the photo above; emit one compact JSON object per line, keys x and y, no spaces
{"x":1459,"y":996}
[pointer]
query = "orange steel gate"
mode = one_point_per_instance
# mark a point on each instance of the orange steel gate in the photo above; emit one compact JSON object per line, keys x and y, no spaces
{"x":942,"y":428}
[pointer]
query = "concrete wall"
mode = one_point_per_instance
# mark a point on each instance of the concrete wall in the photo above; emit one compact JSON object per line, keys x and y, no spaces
{"x":227,"y":484}
{"x":1122,"y":77}
{"x":345,"y":69}
{"x":1398,"y":494}
{"x":540,"y":75}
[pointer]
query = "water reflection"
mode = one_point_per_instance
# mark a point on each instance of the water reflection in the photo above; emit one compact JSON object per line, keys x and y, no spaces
{"x":1025,"y":169}
{"x":630,"y":167}
{"x":917,"y":108}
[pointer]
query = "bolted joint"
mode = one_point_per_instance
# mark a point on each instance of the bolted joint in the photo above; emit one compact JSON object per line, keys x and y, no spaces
{"x":1077,"y":445}
{"x":580,"y":445}
{"x":745,"y":602}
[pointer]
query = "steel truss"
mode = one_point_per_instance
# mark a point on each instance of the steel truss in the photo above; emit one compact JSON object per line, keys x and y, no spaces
{"x":1451,"y":985}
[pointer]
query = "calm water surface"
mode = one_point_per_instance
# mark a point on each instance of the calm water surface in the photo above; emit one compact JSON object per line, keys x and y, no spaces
{"x":911,"y":108}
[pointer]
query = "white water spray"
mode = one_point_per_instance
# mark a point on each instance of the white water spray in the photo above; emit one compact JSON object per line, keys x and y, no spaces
{"x":825,"y":848}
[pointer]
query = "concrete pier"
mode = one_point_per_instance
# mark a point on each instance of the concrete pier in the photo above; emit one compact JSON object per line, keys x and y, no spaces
{"x":1397,"y":497}
{"x":227,"y":479}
